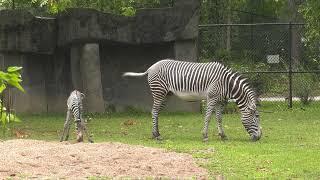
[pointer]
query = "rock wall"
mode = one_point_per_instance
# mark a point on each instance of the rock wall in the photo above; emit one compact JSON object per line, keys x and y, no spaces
{"x":89,"y":50}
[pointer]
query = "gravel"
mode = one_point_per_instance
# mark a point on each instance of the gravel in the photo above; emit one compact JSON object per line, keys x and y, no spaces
{"x":40,"y":159}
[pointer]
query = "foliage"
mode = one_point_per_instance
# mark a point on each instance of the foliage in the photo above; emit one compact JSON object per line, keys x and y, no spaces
{"x":241,"y":11}
{"x":311,"y":12}
{"x":10,"y":78}
{"x":50,"y":7}
{"x":289,"y":148}
{"x":244,"y":48}
{"x":304,"y":85}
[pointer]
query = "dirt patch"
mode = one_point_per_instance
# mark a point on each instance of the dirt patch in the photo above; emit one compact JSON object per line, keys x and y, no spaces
{"x":39,"y":159}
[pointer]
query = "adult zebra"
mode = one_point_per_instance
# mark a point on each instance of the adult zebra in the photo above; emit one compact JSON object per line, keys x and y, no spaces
{"x":193,"y":81}
{"x":74,"y":106}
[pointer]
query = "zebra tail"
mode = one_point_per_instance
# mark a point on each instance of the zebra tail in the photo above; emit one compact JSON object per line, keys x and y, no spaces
{"x":134,"y":74}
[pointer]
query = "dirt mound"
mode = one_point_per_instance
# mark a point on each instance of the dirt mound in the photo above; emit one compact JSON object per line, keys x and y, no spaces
{"x":39,"y":159}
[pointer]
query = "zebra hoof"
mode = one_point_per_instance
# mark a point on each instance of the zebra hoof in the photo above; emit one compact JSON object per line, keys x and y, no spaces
{"x":223,"y":137}
{"x":205,"y":139}
{"x":254,"y":138}
{"x":158,"y":138}
{"x":156,"y":135}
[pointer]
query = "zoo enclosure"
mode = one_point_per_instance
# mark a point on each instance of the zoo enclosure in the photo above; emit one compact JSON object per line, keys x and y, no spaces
{"x":275,"y":57}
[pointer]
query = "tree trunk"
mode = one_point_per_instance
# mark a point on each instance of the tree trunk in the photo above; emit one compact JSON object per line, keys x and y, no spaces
{"x":296,"y":44}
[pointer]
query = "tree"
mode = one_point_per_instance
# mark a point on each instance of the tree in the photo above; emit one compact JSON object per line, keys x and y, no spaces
{"x":310,"y":11}
{"x":51,"y":7}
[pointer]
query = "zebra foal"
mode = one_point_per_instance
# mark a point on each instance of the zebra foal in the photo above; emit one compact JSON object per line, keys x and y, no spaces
{"x":196,"y":81}
{"x":74,"y":106}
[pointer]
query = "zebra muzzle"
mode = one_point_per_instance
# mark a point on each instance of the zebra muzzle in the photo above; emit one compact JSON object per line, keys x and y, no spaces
{"x":256,"y":137}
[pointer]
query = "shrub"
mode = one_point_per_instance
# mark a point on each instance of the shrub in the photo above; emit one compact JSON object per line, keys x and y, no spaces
{"x":10,"y":78}
{"x":303,"y":87}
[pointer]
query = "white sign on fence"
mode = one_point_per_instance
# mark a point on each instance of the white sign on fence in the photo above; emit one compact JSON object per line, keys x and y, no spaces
{"x":273,"y":59}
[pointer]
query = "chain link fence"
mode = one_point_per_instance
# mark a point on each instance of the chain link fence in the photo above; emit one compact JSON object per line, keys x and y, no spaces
{"x":273,"y":56}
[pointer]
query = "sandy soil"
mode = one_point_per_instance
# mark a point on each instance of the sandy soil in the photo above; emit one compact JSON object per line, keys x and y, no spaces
{"x":40,"y":159}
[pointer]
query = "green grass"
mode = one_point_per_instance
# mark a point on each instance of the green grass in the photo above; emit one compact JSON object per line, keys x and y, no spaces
{"x":289,"y":148}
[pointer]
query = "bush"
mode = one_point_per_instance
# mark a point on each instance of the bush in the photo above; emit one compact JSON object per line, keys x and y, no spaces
{"x":304,"y":86}
{"x":10,"y":78}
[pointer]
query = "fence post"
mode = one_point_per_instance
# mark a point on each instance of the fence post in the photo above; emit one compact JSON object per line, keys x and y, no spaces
{"x":290,"y":65}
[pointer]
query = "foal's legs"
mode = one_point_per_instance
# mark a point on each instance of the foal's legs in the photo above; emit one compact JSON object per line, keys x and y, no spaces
{"x":66,"y":127}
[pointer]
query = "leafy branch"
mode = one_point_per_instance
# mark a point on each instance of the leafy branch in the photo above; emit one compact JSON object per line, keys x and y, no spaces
{"x":11,"y":78}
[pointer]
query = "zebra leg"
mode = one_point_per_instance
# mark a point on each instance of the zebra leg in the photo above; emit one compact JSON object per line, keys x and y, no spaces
{"x":68,"y":129}
{"x":210,"y":106}
{"x":159,"y":92}
{"x":66,"y":126}
{"x":155,"y":127}
{"x":219,"y":108}
{"x":84,"y":128}
{"x":87,"y":134}
{"x":79,"y":130}
{"x":158,"y":104}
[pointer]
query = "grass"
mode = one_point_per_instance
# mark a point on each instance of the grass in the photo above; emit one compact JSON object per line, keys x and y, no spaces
{"x":289,"y":148}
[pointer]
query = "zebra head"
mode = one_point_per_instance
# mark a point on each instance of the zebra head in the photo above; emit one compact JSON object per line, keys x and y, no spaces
{"x":251,"y":121}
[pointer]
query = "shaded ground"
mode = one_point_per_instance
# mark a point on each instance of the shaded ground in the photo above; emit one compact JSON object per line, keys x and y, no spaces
{"x":32,"y":158}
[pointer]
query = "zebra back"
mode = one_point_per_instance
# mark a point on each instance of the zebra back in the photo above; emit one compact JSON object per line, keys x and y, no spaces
{"x":198,"y":77}
{"x":74,"y":104}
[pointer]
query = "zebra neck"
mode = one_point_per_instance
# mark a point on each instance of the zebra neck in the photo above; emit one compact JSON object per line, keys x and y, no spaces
{"x":242,"y":100}
{"x":239,"y":90}
{"x":245,"y":98}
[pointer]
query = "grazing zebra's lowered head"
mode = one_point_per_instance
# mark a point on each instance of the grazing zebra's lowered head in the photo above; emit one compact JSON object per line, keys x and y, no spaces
{"x":212,"y":81}
{"x":75,"y":107}
{"x":240,"y":90}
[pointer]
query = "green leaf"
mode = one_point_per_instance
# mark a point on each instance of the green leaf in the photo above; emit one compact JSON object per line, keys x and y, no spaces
{"x":3,"y":118}
{"x":16,"y":84}
{"x":12,"y":118}
{"x":14,"y":69}
{"x":14,"y":77}
{"x":2,"y":87}
{"x":15,"y":118}
{"x":128,"y":11}
{"x":4,"y":76}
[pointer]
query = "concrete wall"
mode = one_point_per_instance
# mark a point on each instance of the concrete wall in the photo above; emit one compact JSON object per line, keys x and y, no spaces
{"x":119,"y":58}
{"x":34,"y":73}
{"x":22,"y":32}
{"x":58,"y":80}
{"x":89,"y":50}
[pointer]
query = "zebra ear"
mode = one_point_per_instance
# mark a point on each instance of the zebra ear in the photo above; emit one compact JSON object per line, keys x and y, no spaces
{"x":82,"y":96}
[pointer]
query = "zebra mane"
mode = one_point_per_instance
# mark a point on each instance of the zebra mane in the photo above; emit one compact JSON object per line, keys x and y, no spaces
{"x":245,"y":81}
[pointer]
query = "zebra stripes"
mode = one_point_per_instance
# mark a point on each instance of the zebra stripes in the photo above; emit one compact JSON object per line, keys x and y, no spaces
{"x":74,"y":104}
{"x":195,"y":81}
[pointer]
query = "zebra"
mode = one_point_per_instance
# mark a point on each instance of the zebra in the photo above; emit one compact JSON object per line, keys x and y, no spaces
{"x":74,"y":106}
{"x":212,"y":82}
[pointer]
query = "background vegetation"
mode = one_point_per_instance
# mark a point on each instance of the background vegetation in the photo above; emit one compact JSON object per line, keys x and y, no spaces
{"x":216,"y":12}
{"x":51,"y":7}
